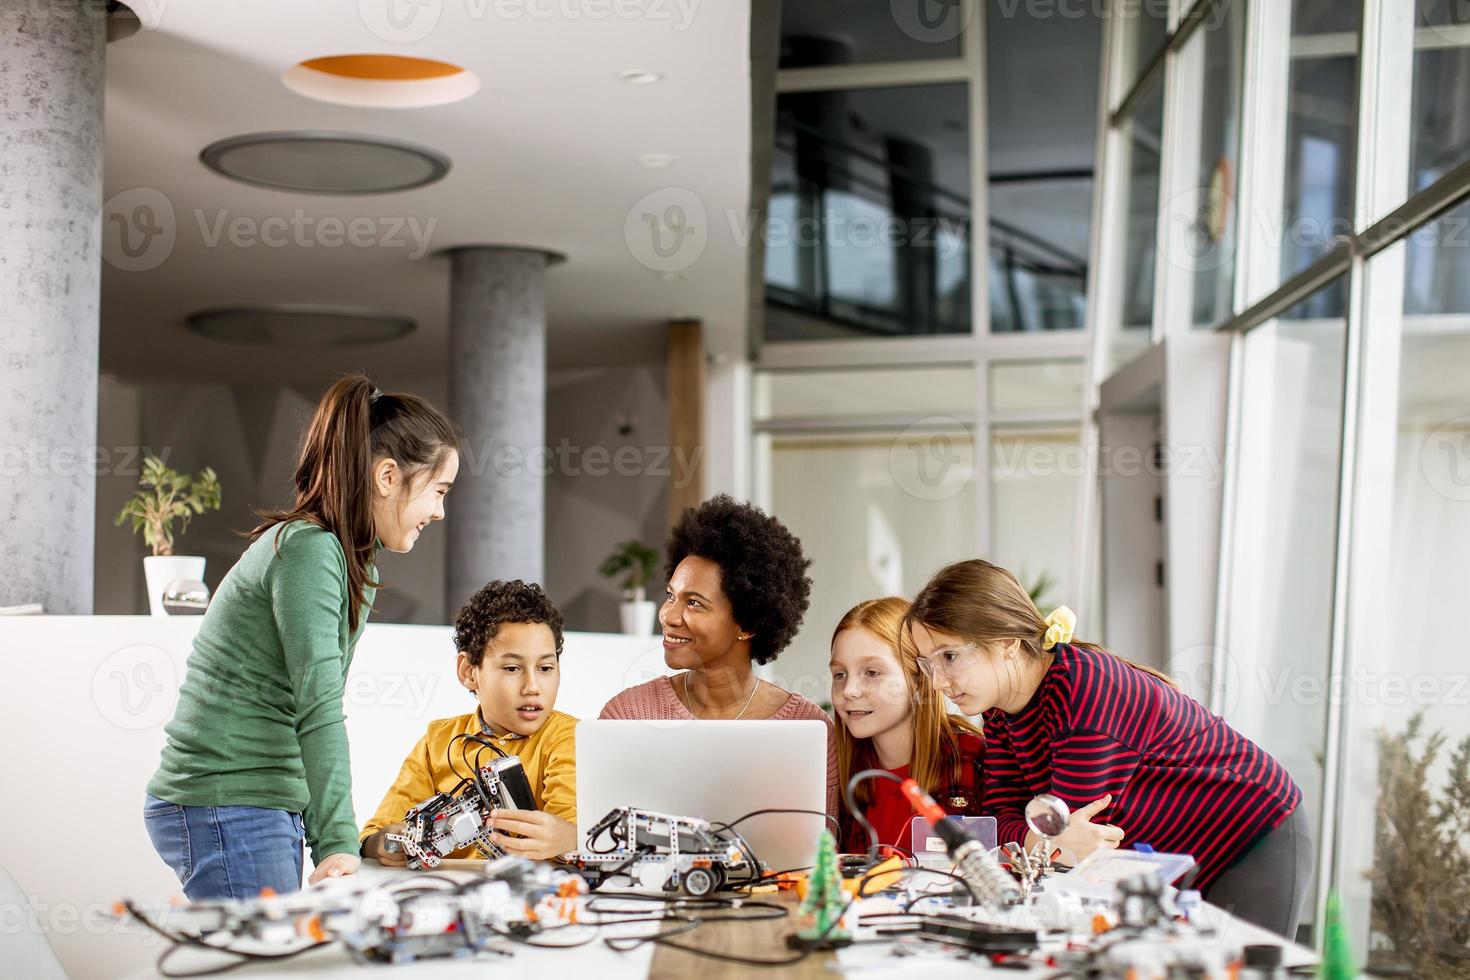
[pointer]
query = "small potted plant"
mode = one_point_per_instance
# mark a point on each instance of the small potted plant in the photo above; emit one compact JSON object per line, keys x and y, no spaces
{"x":163,"y":497}
{"x":633,"y":562}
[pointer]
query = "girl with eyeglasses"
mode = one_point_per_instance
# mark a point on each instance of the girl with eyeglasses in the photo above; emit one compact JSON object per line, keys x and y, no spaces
{"x":1137,"y":760}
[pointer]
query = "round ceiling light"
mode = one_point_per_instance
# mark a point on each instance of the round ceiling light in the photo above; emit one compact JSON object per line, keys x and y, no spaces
{"x":313,"y":327}
{"x":325,"y":162}
{"x":382,"y":81}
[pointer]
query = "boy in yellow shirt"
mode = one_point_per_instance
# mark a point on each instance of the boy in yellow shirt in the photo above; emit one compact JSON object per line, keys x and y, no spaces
{"x":509,"y":638}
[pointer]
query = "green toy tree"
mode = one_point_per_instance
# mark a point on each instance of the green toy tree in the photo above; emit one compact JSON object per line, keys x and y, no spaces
{"x":823,"y":901}
{"x":1337,"y":951}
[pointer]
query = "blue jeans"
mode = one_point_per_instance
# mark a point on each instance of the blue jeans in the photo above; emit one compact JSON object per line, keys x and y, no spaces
{"x":227,"y":851}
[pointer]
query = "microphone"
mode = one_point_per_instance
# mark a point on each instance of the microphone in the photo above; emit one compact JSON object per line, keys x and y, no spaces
{"x":989,"y":881}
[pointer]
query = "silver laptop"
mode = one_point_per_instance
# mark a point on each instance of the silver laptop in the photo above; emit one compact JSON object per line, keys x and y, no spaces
{"x":716,"y":770}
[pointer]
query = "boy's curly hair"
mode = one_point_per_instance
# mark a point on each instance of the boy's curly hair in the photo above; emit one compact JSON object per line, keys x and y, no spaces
{"x":503,"y":602}
{"x":762,"y":569}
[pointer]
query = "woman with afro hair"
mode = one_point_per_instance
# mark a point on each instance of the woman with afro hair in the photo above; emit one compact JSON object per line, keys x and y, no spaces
{"x":737,"y":592}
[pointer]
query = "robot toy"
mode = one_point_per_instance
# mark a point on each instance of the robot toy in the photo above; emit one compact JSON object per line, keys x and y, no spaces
{"x":448,"y":822}
{"x":661,"y":851}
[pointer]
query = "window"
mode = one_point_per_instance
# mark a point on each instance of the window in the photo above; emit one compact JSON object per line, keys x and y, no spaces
{"x":868,"y":230}
{"x":1142,"y":138}
{"x":1274,"y":667}
{"x":1405,"y":866}
{"x":861,"y":32}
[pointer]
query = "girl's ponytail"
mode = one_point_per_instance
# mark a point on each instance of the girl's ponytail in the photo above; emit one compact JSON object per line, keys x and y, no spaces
{"x":355,"y":424}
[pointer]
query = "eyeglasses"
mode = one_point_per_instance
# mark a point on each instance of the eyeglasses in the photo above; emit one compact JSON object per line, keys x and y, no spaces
{"x":944,"y":663}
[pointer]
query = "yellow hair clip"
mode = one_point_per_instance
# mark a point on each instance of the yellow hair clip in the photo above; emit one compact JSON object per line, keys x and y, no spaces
{"x":1059,"y":627}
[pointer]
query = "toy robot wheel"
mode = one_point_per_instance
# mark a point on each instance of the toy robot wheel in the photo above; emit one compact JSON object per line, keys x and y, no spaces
{"x":700,"y":882}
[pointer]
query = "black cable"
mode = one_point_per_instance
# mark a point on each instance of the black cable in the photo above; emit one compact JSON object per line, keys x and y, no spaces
{"x":850,"y":796}
{"x":181,"y":940}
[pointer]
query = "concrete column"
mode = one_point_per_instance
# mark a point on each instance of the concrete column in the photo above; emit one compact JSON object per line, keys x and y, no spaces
{"x":497,"y":395}
{"x":51,"y":71}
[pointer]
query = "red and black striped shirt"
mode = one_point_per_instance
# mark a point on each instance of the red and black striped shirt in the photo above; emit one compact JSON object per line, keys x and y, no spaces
{"x":1182,"y":780}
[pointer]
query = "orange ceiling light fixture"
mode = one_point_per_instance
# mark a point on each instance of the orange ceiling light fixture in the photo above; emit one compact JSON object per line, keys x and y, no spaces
{"x":386,"y":81}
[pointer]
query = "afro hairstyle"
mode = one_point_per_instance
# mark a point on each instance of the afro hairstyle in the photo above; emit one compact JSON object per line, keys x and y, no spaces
{"x":762,"y":568}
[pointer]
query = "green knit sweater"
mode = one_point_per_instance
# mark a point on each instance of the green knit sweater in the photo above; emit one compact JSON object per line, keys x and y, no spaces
{"x":259,"y":720}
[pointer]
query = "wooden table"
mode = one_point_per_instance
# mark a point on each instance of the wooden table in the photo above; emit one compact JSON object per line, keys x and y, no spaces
{"x":762,"y":939}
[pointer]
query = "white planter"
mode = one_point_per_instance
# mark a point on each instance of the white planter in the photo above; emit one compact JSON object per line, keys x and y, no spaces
{"x":160,"y":570}
{"x":638,"y":617}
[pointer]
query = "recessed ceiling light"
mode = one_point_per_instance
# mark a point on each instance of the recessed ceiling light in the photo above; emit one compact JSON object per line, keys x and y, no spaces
{"x":325,"y":163}
{"x":385,"y":81}
{"x":287,"y":326}
{"x":655,"y":159}
{"x":638,"y":76}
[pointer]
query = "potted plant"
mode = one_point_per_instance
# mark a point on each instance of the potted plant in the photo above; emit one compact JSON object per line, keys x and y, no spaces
{"x":163,"y":497}
{"x":633,"y":563}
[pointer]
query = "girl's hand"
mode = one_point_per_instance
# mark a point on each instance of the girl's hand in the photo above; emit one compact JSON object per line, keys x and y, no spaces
{"x":373,"y":847}
{"x":335,"y":866}
{"x":543,"y":836}
{"x":1082,"y":836}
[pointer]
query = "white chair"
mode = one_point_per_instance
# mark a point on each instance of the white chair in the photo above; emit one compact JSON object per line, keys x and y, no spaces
{"x":24,"y":948}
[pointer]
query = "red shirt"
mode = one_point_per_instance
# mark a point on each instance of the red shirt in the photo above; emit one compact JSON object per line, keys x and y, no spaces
{"x":890,"y":812}
{"x":1181,"y":779}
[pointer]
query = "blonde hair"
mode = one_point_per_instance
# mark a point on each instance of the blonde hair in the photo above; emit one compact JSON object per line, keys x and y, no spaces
{"x":977,"y":601}
{"x":935,"y":762}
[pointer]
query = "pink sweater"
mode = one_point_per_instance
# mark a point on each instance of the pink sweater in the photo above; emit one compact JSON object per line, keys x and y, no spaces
{"x":657,"y":701}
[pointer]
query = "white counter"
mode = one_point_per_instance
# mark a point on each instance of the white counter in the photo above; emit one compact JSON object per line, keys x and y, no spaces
{"x":84,"y":704}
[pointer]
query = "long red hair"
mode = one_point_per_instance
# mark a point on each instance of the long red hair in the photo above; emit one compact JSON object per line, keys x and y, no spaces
{"x":936,"y":762}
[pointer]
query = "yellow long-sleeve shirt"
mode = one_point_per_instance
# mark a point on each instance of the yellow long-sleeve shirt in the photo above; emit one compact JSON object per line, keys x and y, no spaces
{"x":549,"y":758}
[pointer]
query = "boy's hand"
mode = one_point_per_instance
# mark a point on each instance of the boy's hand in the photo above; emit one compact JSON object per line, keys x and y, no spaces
{"x":335,"y":866}
{"x":374,"y":846}
{"x":543,"y":836}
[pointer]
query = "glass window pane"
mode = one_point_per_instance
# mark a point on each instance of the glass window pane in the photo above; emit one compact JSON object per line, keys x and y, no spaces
{"x":1041,"y":70}
{"x":868,"y":232}
{"x":1130,"y":322}
{"x":1321,"y":130}
{"x":1145,"y":28}
{"x":1211,"y":65}
{"x":907,"y":507}
{"x":913,"y":391}
{"x":1440,"y":117}
{"x":1036,"y":475}
{"x":1405,"y":874}
{"x":1279,"y":610}
{"x":1036,"y":386}
{"x":861,"y":32}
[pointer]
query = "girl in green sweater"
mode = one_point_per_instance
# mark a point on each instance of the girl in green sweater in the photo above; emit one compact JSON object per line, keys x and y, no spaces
{"x":256,"y":758}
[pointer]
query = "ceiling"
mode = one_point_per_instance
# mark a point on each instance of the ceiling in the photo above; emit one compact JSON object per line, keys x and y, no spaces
{"x":545,"y":155}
